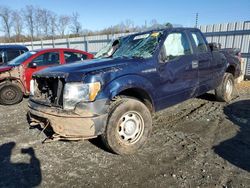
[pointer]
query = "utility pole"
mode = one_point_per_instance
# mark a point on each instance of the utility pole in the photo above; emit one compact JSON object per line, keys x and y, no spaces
{"x":196,"y":19}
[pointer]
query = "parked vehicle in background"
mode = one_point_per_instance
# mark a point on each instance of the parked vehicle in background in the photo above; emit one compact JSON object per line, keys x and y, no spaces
{"x":115,"y":94}
{"x":9,"y":52}
{"x":15,"y":76}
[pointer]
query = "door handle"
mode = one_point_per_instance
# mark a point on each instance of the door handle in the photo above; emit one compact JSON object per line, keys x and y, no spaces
{"x":195,"y":64}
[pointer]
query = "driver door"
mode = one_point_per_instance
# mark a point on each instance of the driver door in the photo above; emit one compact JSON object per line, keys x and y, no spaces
{"x":177,"y":69}
{"x":40,"y":62}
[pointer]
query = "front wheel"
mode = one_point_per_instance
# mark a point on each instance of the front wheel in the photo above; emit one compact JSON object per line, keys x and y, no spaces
{"x":224,"y":92}
{"x":10,"y":94}
{"x":129,"y":126}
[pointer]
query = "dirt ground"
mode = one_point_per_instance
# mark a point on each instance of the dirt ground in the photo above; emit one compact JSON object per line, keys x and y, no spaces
{"x":198,"y":143}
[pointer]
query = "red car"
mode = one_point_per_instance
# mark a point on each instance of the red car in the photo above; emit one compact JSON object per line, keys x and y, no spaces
{"x":15,"y":76}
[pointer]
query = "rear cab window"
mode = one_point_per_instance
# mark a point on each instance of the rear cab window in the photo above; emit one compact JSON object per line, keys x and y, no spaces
{"x":200,"y":44}
{"x":11,"y":54}
{"x":1,"y":57}
{"x":71,"y":57}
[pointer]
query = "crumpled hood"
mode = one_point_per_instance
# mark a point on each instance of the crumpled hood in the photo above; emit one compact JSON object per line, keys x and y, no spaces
{"x":76,"y":71}
{"x":5,"y":68}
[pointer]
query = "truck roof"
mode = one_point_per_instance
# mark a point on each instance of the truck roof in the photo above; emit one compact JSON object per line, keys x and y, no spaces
{"x":170,"y":29}
{"x":54,"y":49}
{"x":162,"y":30}
{"x":19,"y":47}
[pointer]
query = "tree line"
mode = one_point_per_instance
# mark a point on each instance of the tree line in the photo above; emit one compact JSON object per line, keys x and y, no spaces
{"x":34,"y":23}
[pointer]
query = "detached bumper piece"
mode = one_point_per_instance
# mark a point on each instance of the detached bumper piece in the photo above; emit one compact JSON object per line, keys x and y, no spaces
{"x":66,"y":125}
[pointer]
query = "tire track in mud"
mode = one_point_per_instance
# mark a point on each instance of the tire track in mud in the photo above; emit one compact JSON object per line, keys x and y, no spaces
{"x":193,"y":109}
{"x":179,"y":112}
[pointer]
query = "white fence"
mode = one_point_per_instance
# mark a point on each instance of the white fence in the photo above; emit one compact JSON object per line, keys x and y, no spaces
{"x":231,"y":35}
{"x":90,"y":44}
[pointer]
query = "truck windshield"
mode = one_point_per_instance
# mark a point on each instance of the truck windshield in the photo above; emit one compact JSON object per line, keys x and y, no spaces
{"x":134,"y":46}
{"x":107,"y":50}
{"x":20,"y":59}
{"x":138,"y":46}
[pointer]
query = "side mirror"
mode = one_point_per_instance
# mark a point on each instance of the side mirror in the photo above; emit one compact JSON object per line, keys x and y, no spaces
{"x":163,"y":56}
{"x":32,"y":65}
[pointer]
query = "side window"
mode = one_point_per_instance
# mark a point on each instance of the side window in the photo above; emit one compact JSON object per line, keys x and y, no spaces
{"x":11,"y":54}
{"x":1,"y":57}
{"x":71,"y":57}
{"x":176,"y":45}
{"x":200,"y":43}
{"x":50,"y":58}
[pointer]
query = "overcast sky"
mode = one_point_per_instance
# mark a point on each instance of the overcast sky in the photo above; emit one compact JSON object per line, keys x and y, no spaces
{"x":98,"y":14}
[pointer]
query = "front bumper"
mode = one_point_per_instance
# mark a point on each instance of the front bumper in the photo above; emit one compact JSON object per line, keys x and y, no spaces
{"x":88,"y":120}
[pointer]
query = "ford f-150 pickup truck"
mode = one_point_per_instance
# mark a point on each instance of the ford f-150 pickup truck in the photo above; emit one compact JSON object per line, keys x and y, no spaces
{"x":115,"y":94}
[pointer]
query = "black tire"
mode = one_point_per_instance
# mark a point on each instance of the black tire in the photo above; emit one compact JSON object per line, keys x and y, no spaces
{"x":224,"y":92}
{"x":128,"y":127}
{"x":10,"y":94}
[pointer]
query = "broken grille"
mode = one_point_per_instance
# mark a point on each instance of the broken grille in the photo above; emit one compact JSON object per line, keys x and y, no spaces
{"x":49,"y":91}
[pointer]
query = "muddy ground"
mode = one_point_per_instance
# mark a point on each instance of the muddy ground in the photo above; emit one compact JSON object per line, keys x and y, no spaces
{"x":198,"y":143}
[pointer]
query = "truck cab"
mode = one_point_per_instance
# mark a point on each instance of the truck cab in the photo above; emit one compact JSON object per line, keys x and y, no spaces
{"x":115,"y":94}
{"x":9,"y":52}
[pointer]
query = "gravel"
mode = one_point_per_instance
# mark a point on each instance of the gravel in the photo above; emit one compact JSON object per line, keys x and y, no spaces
{"x":198,"y":143}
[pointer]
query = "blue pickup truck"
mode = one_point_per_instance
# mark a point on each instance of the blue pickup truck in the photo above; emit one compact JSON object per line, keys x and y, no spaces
{"x":115,"y":94}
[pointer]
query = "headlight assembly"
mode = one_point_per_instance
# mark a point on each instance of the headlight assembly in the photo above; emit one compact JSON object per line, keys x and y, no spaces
{"x":79,"y":92}
{"x":32,"y":87}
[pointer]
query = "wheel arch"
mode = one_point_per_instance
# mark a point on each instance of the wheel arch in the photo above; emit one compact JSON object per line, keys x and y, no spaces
{"x":14,"y":81}
{"x":231,"y":69}
{"x":132,"y":86}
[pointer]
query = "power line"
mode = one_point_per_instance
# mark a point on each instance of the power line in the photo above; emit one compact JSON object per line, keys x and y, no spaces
{"x":196,"y":19}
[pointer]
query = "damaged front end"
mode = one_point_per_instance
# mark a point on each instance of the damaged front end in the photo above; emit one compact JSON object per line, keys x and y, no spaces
{"x":68,"y":109}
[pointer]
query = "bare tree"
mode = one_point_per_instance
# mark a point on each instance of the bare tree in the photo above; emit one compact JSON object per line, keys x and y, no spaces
{"x":5,"y":14}
{"x":153,"y":22}
{"x":53,"y":24}
{"x":63,"y":24}
{"x":42,"y":22}
{"x":29,"y":16}
{"x":45,"y":21}
{"x":129,"y":24}
{"x":76,"y":26}
{"x":17,"y":23}
{"x":38,"y":22}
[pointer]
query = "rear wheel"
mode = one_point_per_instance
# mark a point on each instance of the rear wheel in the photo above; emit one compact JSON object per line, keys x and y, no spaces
{"x":10,"y":94}
{"x":224,"y":92}
{"x":129,"y":126}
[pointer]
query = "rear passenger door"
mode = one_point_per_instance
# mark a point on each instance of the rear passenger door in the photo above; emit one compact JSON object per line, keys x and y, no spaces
{"x":204,"y":61}
{"x":177,"y":69}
